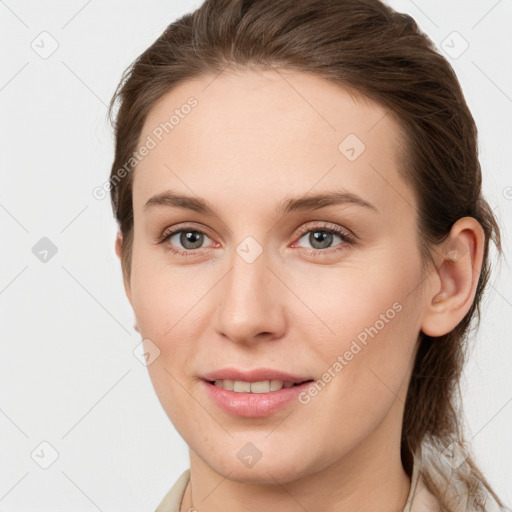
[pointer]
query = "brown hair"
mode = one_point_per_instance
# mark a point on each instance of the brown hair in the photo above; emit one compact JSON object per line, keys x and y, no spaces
{"x":365,"y":46}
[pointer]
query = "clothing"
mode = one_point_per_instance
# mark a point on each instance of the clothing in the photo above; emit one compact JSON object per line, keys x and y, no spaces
{"x":172,"y":500}
{"x":419,"y":499}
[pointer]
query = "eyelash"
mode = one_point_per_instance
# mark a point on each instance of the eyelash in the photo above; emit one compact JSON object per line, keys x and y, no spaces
{"x":345,"y":237}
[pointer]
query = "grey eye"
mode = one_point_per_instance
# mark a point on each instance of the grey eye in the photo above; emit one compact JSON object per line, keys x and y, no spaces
{"x":189,"y":239}
{"x":320,"y":238}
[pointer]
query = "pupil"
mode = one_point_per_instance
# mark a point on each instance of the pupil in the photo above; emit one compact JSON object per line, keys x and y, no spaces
{"x":191,"y":237}
{"x":322,"y":237}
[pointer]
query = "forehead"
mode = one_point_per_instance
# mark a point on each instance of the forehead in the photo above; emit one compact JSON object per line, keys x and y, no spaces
{"x":256,"y":129}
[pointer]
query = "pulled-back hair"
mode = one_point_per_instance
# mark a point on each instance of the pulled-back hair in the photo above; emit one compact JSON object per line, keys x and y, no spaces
{"x":366,"y":47}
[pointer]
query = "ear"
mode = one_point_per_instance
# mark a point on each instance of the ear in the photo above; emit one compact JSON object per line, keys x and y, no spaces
{"x":119,"y":252}
{"x":455,"y":279}
{"x":119,"y":244}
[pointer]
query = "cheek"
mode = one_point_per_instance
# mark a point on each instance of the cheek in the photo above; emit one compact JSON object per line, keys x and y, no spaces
{"x":358,"y":295}
{"x":170,"y":304}
{"x":170,"y":313}
{"x":369,"y":315}
{"x":163,"y":296}
{"x":366,"y":362}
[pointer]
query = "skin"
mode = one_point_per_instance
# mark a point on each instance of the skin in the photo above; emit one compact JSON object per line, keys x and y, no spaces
{"x":255,"y":138}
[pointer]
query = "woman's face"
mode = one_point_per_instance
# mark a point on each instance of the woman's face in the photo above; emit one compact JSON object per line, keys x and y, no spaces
{"x":325,"y":290}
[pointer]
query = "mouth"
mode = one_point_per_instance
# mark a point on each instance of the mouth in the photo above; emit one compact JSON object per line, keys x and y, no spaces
{"x":254,"y":399}
{"x":258,"y":387}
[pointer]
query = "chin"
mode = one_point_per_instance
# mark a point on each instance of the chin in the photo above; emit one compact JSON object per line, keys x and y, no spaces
{"x":262,"y":472}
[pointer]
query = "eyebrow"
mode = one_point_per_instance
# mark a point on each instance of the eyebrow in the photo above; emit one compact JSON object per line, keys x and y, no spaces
{"x":170,"y":198}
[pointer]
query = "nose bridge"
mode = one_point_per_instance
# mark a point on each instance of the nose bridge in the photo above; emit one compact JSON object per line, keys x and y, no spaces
{"x":249,"y":302}
{"x":248,"y":282}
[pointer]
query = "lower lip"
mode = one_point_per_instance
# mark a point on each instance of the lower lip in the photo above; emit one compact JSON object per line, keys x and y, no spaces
{"x":253,"y":405}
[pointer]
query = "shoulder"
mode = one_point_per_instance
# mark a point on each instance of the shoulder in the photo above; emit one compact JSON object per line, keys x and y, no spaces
{"x":420,"y":499}
{"x":172,"y":500}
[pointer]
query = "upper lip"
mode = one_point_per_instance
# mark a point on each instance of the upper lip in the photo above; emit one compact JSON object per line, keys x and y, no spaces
{"x":254,"y":375}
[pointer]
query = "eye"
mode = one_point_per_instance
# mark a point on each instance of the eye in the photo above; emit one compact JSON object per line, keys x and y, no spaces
{"x":322,"y":237}
{"x":190,"y":239}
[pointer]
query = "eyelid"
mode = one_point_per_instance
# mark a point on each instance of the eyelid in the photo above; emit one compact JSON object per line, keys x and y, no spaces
{"x":327,"y":226}
{"x":182,"y":227}
{"x":348,"y":237}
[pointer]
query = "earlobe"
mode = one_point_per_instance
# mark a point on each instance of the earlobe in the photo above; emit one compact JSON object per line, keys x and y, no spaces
{"x":119,"y":253}
{"x":119,"y":244}
{"x":454,"y":281}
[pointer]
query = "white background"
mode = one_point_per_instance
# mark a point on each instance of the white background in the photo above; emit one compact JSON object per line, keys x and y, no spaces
{"x":68,"y":375}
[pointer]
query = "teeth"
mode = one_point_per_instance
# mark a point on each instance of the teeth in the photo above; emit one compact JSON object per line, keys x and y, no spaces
{"x":241,"y":387}
{"x":264,"y":386}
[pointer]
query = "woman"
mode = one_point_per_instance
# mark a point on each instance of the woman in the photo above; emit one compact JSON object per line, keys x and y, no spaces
{"x":304,"y":243}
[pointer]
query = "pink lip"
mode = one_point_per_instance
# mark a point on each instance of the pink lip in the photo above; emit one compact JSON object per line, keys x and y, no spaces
{"x":252,"y":405}
{"x":255,"y":375}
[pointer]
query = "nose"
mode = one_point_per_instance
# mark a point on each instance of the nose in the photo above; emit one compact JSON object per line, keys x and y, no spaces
{"x":251,"y":302}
